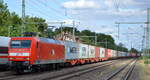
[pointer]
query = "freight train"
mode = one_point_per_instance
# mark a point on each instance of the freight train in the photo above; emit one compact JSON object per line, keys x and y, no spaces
{"x":35,"y":53}
{"x":4,"y":43}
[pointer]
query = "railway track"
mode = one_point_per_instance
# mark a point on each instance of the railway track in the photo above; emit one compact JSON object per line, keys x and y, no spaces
{"x":5,"y":75}
{"x":10,"y":76}
{"x":122,"y":73}
{"x":57,"y":76}
{"x":80,"y":72}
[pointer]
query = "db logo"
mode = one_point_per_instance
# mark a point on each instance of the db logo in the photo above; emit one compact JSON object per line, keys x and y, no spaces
{"x":19,"y":50}
{"x":53,"y":52}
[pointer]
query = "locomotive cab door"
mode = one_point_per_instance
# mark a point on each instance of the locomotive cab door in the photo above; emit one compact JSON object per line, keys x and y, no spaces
{"x":38,"y":48}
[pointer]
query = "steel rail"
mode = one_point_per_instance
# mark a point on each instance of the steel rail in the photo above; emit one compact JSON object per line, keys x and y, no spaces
{"x":115,"y":72}
{"x":128,"y":74}
{"x":78,"y":72}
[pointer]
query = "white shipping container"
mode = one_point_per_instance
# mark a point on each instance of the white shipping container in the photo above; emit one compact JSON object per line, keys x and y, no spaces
{"x":119,"y":54}
{"x":83,"y":51}
{"x":71,"y":50}
{"x":124,"y":54}
{"x":102,"y":52}
{"x":114,"y":53}
{"x":91,"y":52}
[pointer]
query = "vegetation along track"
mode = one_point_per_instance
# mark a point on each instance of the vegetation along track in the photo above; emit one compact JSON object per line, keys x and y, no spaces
{"x":122,"y":73}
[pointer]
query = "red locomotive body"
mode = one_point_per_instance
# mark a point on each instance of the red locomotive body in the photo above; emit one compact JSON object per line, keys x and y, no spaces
{"x":51,"y":53}
{"x":32,"y":51}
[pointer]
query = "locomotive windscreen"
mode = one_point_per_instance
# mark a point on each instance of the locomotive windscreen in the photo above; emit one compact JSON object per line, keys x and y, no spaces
{"x":20,"y":44}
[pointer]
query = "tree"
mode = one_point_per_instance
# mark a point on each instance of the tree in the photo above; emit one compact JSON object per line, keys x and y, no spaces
{"x":66,"y":29}
{"x":133,"y":50}
{"x":36,"y":25}
{"x":11,"y":23}
{"x":106,"y":41}
{"x":41,"y":27}
{"x":15,"y":25}
{"x":4,"y":19}
{"x":88,"y":40}
{"x":121,"y":47}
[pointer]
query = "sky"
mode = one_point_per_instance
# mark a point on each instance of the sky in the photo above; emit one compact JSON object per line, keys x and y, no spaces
{"x":96,"y":15}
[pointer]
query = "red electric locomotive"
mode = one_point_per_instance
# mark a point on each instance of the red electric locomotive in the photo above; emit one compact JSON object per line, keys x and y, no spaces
{"x":29,"y":53}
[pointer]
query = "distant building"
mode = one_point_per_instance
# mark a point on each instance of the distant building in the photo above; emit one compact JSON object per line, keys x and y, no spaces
{"x":66,"y":36}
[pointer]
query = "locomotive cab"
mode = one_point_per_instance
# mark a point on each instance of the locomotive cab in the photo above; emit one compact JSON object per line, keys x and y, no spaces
{"x":33,"y":54}
{"x":20,"y":52}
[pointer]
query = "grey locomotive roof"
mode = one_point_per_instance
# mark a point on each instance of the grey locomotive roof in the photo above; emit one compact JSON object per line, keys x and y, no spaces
{"x":51,"y":41}
{"x":4,"y":41}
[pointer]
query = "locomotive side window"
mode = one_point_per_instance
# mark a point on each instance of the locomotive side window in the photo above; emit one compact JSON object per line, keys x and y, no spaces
{"x":20,"y":43}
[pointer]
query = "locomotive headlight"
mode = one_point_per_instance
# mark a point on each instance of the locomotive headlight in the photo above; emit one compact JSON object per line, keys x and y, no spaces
{"x":12,"y":54}
{"x":19,"y":54}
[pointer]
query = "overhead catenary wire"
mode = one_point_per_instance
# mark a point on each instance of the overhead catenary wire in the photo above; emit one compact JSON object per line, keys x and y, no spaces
{"x":40,"y":11}
{"x":66,"y":14}
{"x":55,"y":10}
{"x":58,"y":4}
{"x":117,"y":4}
{"x":47,"y":11}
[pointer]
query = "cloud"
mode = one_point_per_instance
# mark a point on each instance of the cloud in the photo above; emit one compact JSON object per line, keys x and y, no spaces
{"x":106,"y":14}
{"x":108,"y":30}
{"x":109,"y":3}
{"x":74,"y":12}
{"x":81,"y":4}
{"x":120,"y":3}
{"x":105,"y":29}
{"x":68,"y":21}
{"x":123,"y":12}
